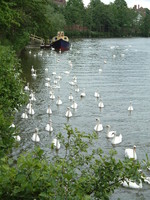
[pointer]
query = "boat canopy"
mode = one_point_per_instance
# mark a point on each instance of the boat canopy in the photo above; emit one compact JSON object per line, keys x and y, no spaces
{"x":60,"y":35}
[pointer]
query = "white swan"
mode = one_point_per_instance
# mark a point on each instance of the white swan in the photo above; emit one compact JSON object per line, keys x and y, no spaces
{"x":29,"y":104}
{"x":68,"y":113}
{"x":31,"y":111}
{"x":96,"y":94}
{"x":52,"y":96}
{"x":130,"y":184}
{"x":32,"y":96}
{"x":34,"y":74}
{"x":49,"y":126}
{"x":35,"y":137}
{"x":146,"y":179}
{"x":32,"y":69}
{"x":47,"y":79}
{"x":24,"y":115}
{"x":117,"y":139}
{"x":59,"y":101}
{"x":101,"y":104}
{"x":74,"y":105}
{"x":12,"y":125}
{"x":26,"y":88}
{"x":82,"y":94}
{"x":131,"y":153}
{"x":17,"y":138}
{"x":59,"y":77}
{"x":130,"y":108}
{"x":67,"y":72}
{"x":49,"y":111}
{"x":70,"y":96}
{"x":99,"y":126}
{"x":77,"y":88}
{"x":48,"y":84}
{"x":56,"y":144}
{"x":110,"y":134}
{"x":53,"y":73}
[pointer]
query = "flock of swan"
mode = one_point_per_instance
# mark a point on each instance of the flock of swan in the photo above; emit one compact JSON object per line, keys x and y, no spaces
{"x":56,"y":84}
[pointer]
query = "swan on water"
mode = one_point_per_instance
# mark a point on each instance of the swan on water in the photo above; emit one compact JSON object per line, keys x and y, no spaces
{"x":101,"y":104}
{"x":35,"y":137}
{"x":70,"y":96}
{"x":67,"y":72}
{"x":75,"y":79}
{"x":32,"y":96}
{"x":31,"y":110}
{"x":68,"y":113}
{"x":26,"y":88}
{"x":34,"y":74}
{"x":12,"y":125}
{"x":122,"y":55}
{"x":74,"y":105}
{"x":59,"y":101}
{"x":131,"y":184}
{"x":29,"y":104}
{"x":47,"y":84}
{"x":110,"y":134}
{"x":17,"y":138}
{"x":72,"y":83}
{"x":49,"y":111}
{"x":47,"y":79}
{"x":146,"y":179}
{"x":24,"y":115}
{"x":131,"y":153}
{"x":82,"y":94}
{"x":77,"y":88}
{"x":52,"y":96}
{"x":55,"y":81}
{"x":98,"y":127}
{"x":100,"y":70}
{"x":130,"y":108}
{"x":32,"y":69}
{"x":117,"y":139}
{"x":96,"y":94}
{"x":49,"y":126}
{"x":59,"y":77}
{"x":56,"y":144}
{"x":53,"y":73}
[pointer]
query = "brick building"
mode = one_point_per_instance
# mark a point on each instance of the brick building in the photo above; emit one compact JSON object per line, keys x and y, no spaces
{"x":60,"y":2}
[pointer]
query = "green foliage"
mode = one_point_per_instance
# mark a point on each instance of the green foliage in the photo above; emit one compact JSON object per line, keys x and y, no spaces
{"x":76,"y":173}
{"x":145,"y":24}
{"x":11,"y":94}
{"x":74,"y":12}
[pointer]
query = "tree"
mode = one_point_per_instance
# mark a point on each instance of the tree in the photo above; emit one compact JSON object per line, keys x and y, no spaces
{"x":11,"y":95}
{"x":19,"y":19}
{"x":74,"y":12}
{"x":123,"y":18}
{"x":75,"y":173}
{"x":145,"y":24}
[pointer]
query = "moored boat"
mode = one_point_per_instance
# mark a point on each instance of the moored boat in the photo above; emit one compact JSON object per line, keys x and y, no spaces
{"x":60,"y":42}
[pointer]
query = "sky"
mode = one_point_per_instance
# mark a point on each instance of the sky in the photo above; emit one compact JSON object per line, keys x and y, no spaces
{"x":130,"y":3}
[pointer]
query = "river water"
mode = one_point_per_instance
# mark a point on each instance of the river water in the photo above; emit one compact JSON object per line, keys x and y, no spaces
{"x":119,"y":70}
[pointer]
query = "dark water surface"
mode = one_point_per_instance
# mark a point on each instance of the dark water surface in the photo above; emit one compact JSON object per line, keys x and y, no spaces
{"x":119,"y":69}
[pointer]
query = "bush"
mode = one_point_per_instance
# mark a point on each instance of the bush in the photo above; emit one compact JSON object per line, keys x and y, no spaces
{"x":76,"y":174}
{"x":11,"y":95}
